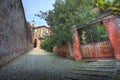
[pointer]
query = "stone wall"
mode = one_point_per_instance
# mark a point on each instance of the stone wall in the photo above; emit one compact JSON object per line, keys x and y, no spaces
{"x":15,"y":38}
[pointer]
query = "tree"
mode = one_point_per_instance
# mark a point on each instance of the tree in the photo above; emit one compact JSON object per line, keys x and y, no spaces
{"x":65,"y":14}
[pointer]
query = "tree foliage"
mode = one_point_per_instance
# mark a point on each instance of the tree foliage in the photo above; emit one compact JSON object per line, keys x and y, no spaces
{"x":47,"y":44}
{"x":95,"y":33}
{"x":65,"y":14}
{"x":109,"y":5}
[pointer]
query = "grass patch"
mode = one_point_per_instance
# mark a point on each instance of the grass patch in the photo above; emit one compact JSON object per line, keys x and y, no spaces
{"x":117,"y":77}
{"x":51,"y":54}
{"x":80,"y":62}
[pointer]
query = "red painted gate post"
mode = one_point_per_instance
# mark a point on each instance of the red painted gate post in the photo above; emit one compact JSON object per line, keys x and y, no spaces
{"x":113,"y":33}
{"x":76,"y":46}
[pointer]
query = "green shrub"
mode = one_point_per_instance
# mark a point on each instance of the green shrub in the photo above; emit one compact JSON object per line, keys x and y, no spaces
{"x":47,"y":44}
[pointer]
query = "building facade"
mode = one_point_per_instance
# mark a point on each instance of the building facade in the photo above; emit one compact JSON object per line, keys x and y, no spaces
{"x":39,"y":34}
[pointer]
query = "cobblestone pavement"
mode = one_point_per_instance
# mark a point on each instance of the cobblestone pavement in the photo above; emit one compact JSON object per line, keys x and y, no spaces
{"x":37,"y":64}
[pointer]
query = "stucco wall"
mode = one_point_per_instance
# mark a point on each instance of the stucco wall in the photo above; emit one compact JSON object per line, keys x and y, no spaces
{"x":39,"y":36}
{"x":15,"y":38}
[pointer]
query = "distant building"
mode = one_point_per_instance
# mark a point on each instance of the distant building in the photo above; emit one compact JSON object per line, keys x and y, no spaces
{"x":39,"y":34}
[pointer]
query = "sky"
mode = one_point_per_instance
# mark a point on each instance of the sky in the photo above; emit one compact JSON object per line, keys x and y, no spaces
{"x":32,"y":7}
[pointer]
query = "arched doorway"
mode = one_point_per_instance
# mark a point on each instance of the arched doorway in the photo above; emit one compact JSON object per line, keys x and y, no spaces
{"x":35,"y":43}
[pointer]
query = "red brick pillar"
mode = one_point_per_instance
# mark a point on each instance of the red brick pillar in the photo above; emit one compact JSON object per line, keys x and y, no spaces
{"x":113,"y":33}
{"x":76,"y":46}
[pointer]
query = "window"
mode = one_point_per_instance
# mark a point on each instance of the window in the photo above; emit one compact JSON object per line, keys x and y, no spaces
{"x":35,"y":35}
{"x":47,"y":30}
{"x":36,"y":30}
{"x":41,"y":31}
{"x":41,"y":35}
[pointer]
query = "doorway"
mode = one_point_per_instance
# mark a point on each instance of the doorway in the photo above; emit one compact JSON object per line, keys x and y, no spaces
{"x":35,"y":43}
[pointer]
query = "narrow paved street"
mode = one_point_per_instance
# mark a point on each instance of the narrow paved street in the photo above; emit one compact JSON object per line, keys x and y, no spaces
{"x":37,"y":64}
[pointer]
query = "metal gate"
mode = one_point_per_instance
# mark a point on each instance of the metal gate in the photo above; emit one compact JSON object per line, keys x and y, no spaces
{"x":95,"y":43}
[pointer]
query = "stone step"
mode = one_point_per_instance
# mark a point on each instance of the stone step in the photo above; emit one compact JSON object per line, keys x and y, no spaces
{"x":84,"y":77}
{"x":101,"y":64}
{"x":94,"y":69}
{"x":96,"y":66}
{"x":104,"y":70}
{"x":65,"y":78}
{"x":89,"y":78}
{"x":90,"y":73}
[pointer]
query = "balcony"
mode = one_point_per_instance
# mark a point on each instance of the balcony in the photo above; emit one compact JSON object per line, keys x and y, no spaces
{"x":43,"y":36}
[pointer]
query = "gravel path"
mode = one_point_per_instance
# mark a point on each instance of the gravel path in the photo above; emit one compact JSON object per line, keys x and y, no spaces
{"x":37,"y":65}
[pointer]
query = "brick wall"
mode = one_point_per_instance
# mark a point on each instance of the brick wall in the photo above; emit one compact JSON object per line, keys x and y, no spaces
{"x":15,"y":38}
{"x":77,"y":53}
{"x":113,"y":29}
{"x":63,"y":50}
